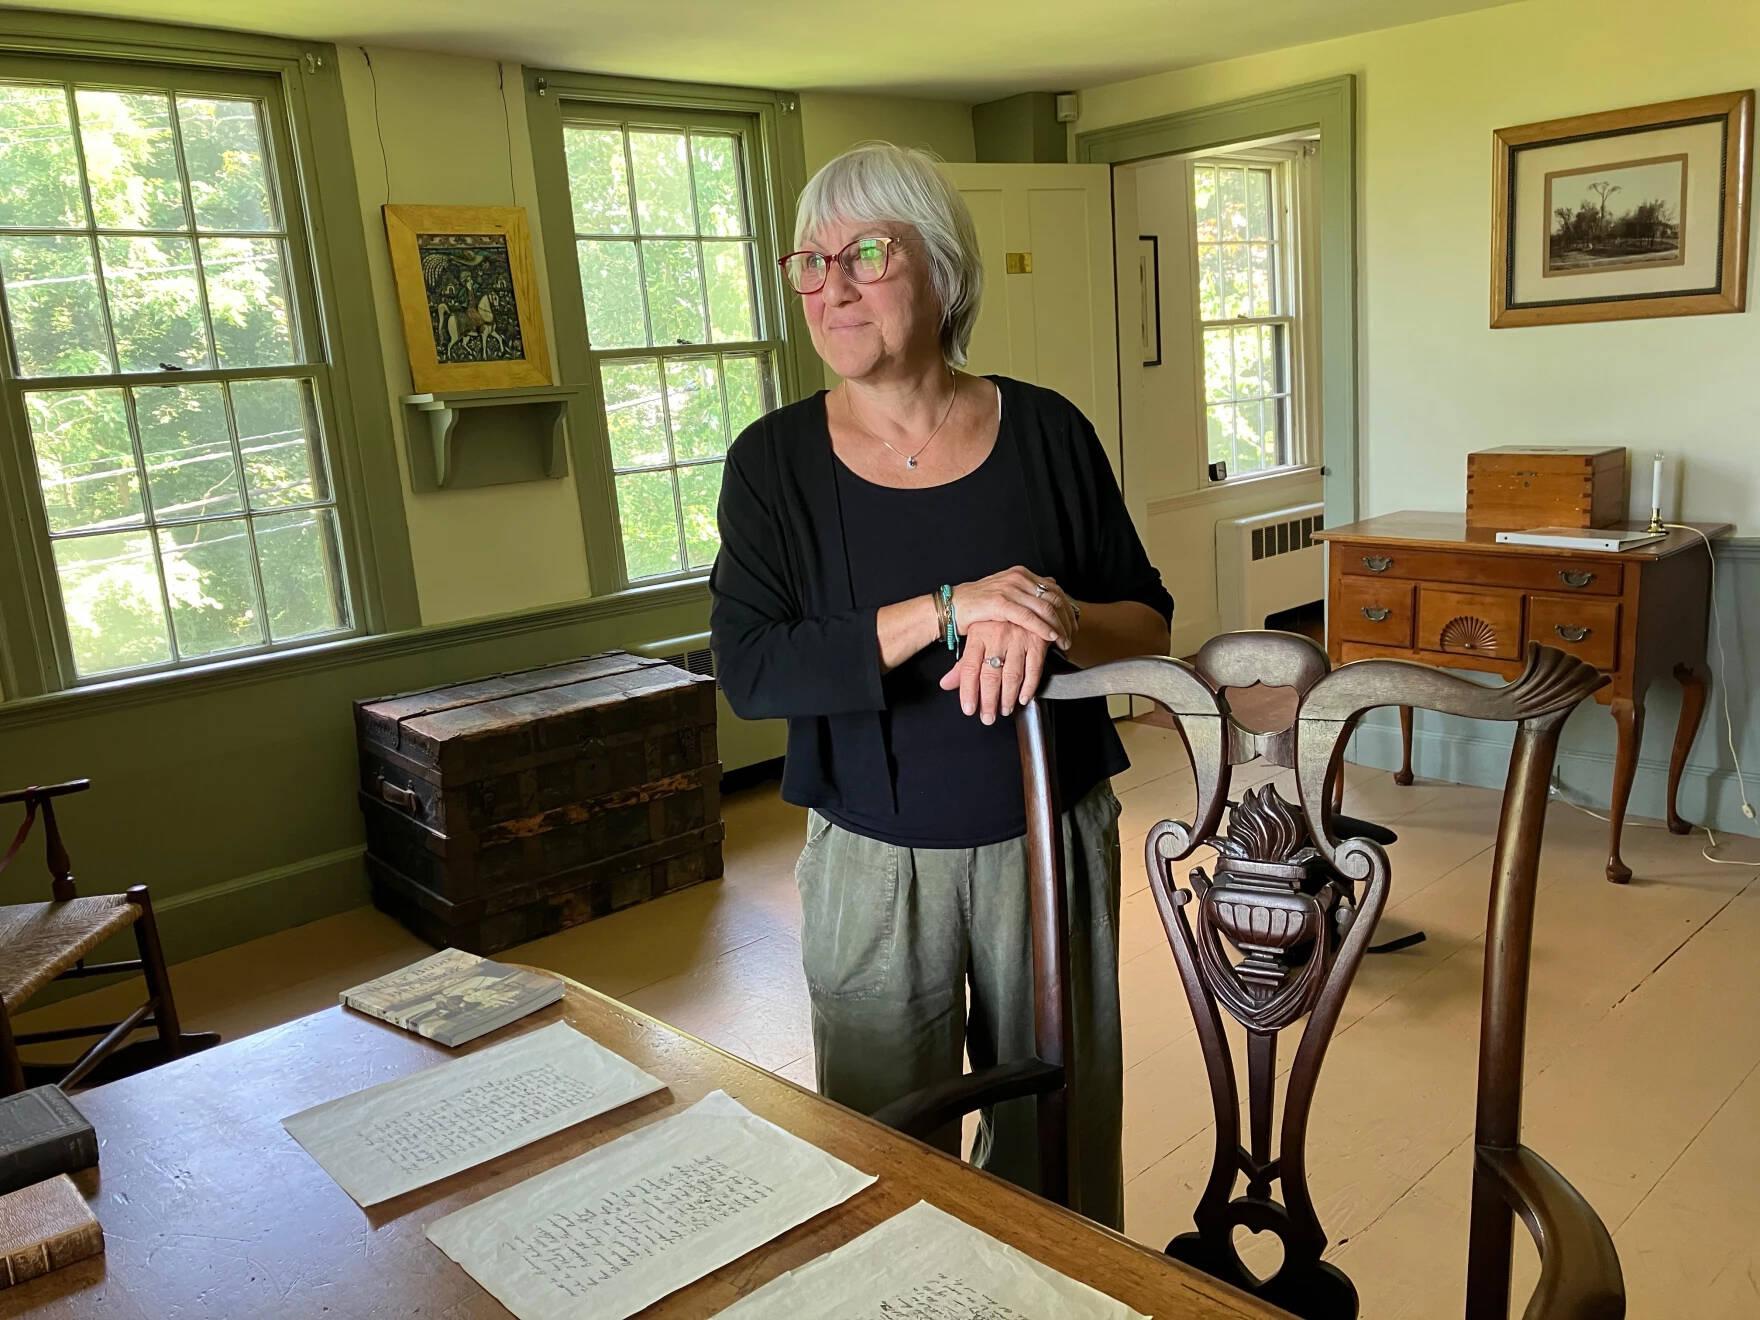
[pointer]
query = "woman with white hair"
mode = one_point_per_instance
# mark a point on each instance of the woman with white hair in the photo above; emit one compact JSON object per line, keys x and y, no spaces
{"x":898,"y":554}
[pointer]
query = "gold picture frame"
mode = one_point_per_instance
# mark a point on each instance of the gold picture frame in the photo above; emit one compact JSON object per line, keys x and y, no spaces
{"x":1624,"y":214}
{"x":469,"y":296}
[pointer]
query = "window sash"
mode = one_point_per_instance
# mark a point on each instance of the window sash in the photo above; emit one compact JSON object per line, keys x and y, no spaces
{"x":309,"y":354}
{"x":1282,"y":243}
{"x":768,"y":347}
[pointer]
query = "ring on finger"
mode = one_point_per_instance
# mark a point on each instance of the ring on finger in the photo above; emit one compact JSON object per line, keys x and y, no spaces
{"x":994,"y":661}
{"x":1041,"y":590}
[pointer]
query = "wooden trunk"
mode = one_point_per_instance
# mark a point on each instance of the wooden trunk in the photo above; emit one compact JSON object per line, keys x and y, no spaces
{"x":510,"y":807}
{"x":1521,"y":486}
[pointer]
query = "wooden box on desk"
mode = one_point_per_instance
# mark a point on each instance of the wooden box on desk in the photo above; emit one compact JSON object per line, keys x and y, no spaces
{"x":510,"y":807}
{"x":1517,"y":486}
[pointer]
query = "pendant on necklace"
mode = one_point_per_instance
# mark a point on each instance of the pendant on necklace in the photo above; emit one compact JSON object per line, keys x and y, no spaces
{"x":911,"y":462}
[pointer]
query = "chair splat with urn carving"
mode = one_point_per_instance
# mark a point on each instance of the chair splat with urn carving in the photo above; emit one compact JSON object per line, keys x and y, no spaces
{"x":1275,"y":935}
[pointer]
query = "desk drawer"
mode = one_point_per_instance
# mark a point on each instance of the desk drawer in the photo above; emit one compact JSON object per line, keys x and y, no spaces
{"x":1379,"y":612}
{"x":1587,"y":629}
{"x":1566,"y":574}
{"x":1485,"y":623}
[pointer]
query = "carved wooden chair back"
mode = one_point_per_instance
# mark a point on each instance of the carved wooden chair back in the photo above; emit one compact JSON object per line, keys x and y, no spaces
{"x":1298,"y":902}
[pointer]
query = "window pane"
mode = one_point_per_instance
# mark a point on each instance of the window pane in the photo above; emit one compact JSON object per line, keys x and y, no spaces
{"x":611,"y":288}
{"x":53,"y":312}
{"x":1218,"y":426}
{"x":131,"y":159}
{"x":650,"y":524}
{"x":280,"y":442}
{"x":110,"y":595}
{"x":721,"y":206}
{"x":155,"y":304}
{"x":1263,"y":303}
{"x":749,"y":394}
{"x":663,"y":183}
{"x":85,"y":461}
{"x":1251,"y":378}
{"x":693,"y":396}
{"x":675,"y":293}
{"x":728,"y":269}
{"x":1218,"y":366}
{"x":212,"y":588}
{"x":1210,"y":304}
{"x":633,"y":415}
{"x":186,"y":447}
{"x":1205,"y":204}
{"x":301,"y":557}
{"x":1237,"y":280}
{"x":228,"y":179}
{"x":699,"y":490}
{"x":1250,"y":437}
{"x":1234,"y":204}
{"x":1259,"y":205}
{"x":247,"y":298}
{"x":39,"y":186}
{"x":597,"y":184}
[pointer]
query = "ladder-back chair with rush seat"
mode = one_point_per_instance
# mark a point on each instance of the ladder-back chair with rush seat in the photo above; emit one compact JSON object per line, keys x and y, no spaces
{"x":1274,"y":939}
{"x":44,"y":942}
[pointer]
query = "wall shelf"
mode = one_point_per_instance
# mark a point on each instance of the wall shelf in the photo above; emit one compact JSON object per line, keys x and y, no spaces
{"x":460,"y":439}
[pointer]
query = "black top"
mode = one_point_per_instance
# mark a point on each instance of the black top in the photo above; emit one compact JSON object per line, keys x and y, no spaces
{"x":791,"y":638}
{"x":957,"y":780}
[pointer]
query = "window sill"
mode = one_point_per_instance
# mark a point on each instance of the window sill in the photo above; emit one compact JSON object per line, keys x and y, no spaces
{"x":1258,"y":484}
{"x":140,"y":689}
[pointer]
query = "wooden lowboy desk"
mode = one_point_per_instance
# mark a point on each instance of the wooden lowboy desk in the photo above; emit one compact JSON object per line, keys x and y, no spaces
{"x":1425,"y":586}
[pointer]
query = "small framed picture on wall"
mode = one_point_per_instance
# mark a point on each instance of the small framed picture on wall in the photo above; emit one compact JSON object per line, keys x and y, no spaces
{"x":1624,"y":214}
{"x":1149,"y":281}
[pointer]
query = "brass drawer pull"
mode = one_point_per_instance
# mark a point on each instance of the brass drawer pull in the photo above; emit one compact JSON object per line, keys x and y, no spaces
{"x":1574,"y":579}
{"x":1377,"y":563}
{"x":1375,"y":613}
{"x":1571,"y":632}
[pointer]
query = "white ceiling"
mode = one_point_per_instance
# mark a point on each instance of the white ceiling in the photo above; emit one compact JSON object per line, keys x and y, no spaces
{"x":974,"y":51}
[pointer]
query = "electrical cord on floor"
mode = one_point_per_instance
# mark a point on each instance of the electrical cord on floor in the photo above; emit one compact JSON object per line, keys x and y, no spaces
{"x":1729,"y":731}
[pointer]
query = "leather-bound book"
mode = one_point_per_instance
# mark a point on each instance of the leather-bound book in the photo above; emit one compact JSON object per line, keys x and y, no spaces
{"x":44,"y":1227}
{"x":41,"y":1135}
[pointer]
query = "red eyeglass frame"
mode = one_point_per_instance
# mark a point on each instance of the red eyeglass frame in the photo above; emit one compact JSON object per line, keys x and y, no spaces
{"x":887,"y":244}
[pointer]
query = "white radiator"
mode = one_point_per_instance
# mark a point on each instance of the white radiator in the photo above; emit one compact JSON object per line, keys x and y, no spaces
{"x":1268,"y":562}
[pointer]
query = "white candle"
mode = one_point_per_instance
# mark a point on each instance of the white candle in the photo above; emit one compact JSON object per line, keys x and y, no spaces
{"x":1656,"y":482}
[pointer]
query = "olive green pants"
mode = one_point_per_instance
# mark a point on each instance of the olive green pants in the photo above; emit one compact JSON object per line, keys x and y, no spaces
{"x":916,"y":955}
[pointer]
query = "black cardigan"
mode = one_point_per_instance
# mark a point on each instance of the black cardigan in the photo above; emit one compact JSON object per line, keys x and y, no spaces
{"x":789,"y":642}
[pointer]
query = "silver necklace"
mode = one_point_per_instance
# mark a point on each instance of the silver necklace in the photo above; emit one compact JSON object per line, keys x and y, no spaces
{"x":910,"y":460}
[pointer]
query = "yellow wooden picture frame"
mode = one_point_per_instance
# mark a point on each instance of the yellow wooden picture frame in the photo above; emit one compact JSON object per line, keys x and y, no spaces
{"x":469,"y":297}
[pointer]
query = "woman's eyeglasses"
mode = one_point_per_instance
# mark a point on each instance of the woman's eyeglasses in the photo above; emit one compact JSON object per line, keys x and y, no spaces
{"x":864,"y":261}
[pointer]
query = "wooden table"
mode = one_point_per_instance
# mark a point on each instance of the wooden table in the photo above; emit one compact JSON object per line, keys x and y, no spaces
{"x":1425,"y":586}
{"x":211,"y":1210}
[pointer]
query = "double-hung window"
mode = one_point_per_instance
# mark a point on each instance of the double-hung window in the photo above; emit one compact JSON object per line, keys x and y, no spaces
{"x":682,"y":320}
{"x":1251,"y":331}
{"x":163,"y":360}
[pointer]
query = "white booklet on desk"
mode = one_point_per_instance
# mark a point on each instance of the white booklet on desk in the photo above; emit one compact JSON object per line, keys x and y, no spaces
{"x":924,"y":1264}
{"x":1579,"y":538}
{"x":615,"y":1230}
{"x":404,"y":1134}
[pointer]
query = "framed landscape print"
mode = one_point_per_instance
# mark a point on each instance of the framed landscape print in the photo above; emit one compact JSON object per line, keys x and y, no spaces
{"x":469,"y":297}
{"x":1625,"y":214}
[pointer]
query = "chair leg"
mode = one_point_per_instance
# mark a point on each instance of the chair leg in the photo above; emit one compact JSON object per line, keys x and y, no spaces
{"x":11,"y":1066}
{"x":146,"y":934}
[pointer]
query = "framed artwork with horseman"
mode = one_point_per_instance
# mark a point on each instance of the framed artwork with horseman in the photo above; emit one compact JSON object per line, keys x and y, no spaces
{"x":469,"y":296}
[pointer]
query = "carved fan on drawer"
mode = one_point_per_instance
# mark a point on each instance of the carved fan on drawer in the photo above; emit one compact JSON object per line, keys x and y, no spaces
{"x":1466,"y":633}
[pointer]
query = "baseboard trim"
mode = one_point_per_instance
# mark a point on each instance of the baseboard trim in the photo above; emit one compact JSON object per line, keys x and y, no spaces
{"x":1708,"y":795}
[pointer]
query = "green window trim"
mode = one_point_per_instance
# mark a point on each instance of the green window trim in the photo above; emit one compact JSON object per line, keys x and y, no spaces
{"x":309,"y":110}
{"x":1329,"y":106}
{"x":777,"y":158}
